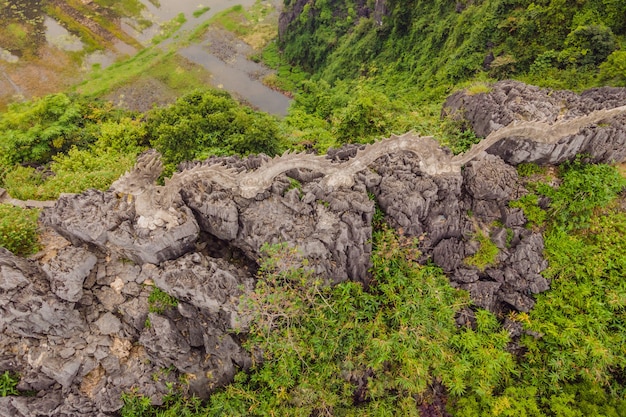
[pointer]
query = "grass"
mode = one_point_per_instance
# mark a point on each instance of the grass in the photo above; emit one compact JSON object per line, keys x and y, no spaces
{"x":74,"y":172}
{"x":159,"y":301}
{"x":201,"y":11}
{"x":287,"y":77}
{"x":176,"y":72}
{"x":18,"y":230}
{"x":486,"y":255}
{"x":478,"y":88}
{"x":126,"y":8}
{"x":103,"y":81}
{"x":8,"y":384}
{"x":169,"y":28}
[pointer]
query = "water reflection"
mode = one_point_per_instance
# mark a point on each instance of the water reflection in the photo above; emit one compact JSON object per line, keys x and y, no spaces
{"x":234,"y":78}
{"x":23,"y":29}
{"x":58,"y":36}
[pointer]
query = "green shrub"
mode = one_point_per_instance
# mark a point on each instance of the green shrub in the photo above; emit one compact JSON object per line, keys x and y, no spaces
{"x":529,"y":204}
{"x":136,"y":405}
{"x":613,"y":70}
{"x":529,"y":169}
{"x":400,"y":336}
{"x":200,"y":124}
{"x":486,"y":255}
{"x":18,"y":229}
{"x":584,"y":187}
{"x":457,"y":136}
{"x":581,"y":318}
{"x":74,"y":172}
{"x":588,"y":45}
{"x":32,"y":132}
{"x":159,"y":301}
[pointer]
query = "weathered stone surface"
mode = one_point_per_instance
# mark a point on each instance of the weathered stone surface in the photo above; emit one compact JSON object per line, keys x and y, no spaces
{"x":524,"y":123}
{"x":68,"y":270}
{"x":212,"y":285}
{"x":331,"y":229}
{"x":489,"y":178}
{"x":112,"y":223}
{"x":108,"y":324}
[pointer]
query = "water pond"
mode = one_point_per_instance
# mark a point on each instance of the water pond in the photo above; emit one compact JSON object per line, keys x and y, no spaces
{"x":32,"y":29}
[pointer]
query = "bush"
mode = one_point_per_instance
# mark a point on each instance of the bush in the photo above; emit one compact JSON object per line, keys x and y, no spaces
{"x":613,"y":70}
{"x":588,"y":45}
{"x":74,"y":172}
{"x":33,"y":132}
{"x":18,"y":229}
{"x":203,"y":123}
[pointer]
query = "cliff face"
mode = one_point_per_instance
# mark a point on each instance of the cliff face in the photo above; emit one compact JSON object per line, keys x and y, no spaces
{"x":77,"y":322}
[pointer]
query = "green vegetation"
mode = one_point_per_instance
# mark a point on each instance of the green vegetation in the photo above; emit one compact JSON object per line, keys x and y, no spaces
{"x":18,"y":229}
{"x":207,"y":123}
{"x":383,"y":73}
{"x":201,"y":11}
{"x":530,"y":169}
{"x":395,"y":347}
{"x":584,"y":188}
{"x":487,"y":253}
{"x":169,"y":28}
{"x":347,"y":351}
{"x":8,"y":384}
{"x":530,"y":206}
{"x":104,"y":81}
{"x":34,"y":132}
{"x":431,"y":43}
{"x":65,"y":143}
{"x":159,"y":301}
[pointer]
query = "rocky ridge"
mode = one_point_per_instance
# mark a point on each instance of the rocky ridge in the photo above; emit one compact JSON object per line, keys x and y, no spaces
{"x":76,"y":320}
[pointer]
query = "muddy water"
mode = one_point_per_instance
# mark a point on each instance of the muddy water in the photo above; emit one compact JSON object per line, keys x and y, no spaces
{"x":236,"y":74}
{"x":60,"y":37}
{"x":169,"y":9}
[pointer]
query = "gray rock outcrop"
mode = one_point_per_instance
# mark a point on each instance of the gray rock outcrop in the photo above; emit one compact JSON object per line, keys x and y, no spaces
{"x":524,"y":123}
{"x":82,"y":324}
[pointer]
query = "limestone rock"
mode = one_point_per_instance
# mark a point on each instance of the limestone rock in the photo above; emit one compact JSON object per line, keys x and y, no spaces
{"x":68,"y":270}
{"x":552,"y":125}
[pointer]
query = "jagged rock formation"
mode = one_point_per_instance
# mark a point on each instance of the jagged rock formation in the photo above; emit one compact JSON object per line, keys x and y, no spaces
{"x":76,"y":322}
{"x":523,"y":123}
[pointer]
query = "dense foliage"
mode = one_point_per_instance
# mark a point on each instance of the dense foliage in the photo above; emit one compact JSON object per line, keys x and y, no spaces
{"x":377,"y":67}
{"x":207,"y":123}
{"x":434,"y":42}
{"x":18,"y":229}
{"x":68,"y":144}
